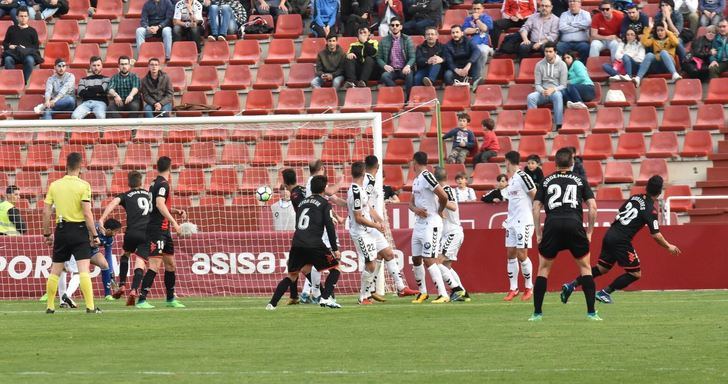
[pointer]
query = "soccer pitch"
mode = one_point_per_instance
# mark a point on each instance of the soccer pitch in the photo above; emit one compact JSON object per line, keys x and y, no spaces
{"x":646,"y":337}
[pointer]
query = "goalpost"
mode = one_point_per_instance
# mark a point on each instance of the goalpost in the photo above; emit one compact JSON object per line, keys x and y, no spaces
{"x":218,"y":163}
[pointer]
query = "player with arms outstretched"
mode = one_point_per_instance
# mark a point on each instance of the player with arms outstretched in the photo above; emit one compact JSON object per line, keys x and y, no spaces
{"x":638,"y":211}
{"x":561,"y":196}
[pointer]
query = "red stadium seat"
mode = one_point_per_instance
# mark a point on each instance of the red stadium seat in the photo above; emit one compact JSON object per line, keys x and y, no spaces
{"x":399,"y":151}
{"x":184,"y":54}
{"x":637,"y":190}
{"x":653,"y":91}
{"x":39,"y":158}
{"x":216,"y":53}
{"x":538,"y":122}
{"x":235,"y":154}
{"x":506,"y":145}
{"x":18,"y":137}
{"x":663,"y":144}
{"x":55,"y":51}
{"x":717,"y":91}
{"x":300,"y":75}
{"x":192,"y":97}
{"x":452,"y":16}
{"x":77,"y":10}
{"x":576,"y":121}
{"x":299,"y":152}
{"x":104,"y":156}
{"x":202,"y":155}
{"x":710,"y":116}
{"x":650,"y":167}
{"x":597,"y":101}
{"x":180,"y":136}
{"x":149,"y":50}
{"x":455,"y":98}
{"x":598,"y":146}
{"x":41,"y":28}
{"x":627,"y":89}
{"x":50,"y":137}
{"x":630,"y":146}
{"x":190,"y":182}
{"x":65,"y":31}
{"x":237,"y":77}
{"x":254,"y":178}
{"x":280,"y":51}
{"x":4,"y":108}
{"x":642,"y":119}
{"x":687,"y":92}
{"x":126,"y":31}
{"x":476,"y":122}
{"x":84,"y":137}
{"x":246,"y":52}
{"x":500,"y":71}
{"x":389,"y":99}
{"x":97,"y":31}
{"x":509,"y":123}
{"x":485,"y":176}
{"x":346,"y":130}
{"x":609,"y":120}
{"x":323,"y":100}
{"x":291,"y":101}
{"x":12,"y":81}
{"x":362,"y":148}
{"x":618,"y":172}
{"x":697,"y":144}
{"x":310,"y":47}
{"x":609,"y":193}
{"x":204,"y":78}
{"x":148,"y":136}
{"x":679,"y":205}
{"x":487,"y":98}
{"x":211,"y":201}
{"x":357,"y":100}
{"x":335,"y":151}
{"x":429,"y":146}
{"x":98,"y":181}
{"x":562,"y":141}
{"x":676,"y":118}
{"x":138,"y":156}
{"x":288,"y":26}
{"x":259,"y":102}
{"x":30,"y":184}
{"x":517,"y":94}
{"x":174,"y":151}
{"x":267,"y":20}
{"x":393,"y":175}
{"x":267,"y":153}
{"x":228,"y":101}
{"x":116,"y":50}
{"x":65,"y":151}
{"x":24,"y":110}
{"x":532,"y":145}
{"x":224,"y":181}
{"x":108,"y":9}
{"x":213,"y":134}
{"x":4,"y":25}
{"x":270,"y":76}
{"x":594,"y":67}
{"x":83,"y":53}
{"x":135,"y":8}
{"x":421,"y":99}
{"x":410,"y":125}
{"x":313,"y":131}
{"x":119,"y":183}
{"x":526,"y":70}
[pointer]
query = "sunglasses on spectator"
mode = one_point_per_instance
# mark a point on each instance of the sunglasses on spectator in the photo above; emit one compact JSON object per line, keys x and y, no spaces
{"x":605,"y":9}
{"x":395,"y":25}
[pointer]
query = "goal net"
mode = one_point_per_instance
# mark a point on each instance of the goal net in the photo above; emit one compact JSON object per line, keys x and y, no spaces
{"x":218,"y":165}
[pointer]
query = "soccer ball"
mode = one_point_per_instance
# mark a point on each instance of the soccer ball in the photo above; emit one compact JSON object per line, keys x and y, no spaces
{"x":187,"y":229}
{"x":263,"y":193}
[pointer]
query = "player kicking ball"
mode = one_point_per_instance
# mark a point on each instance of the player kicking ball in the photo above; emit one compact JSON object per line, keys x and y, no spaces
{"x":308,"y":249}
{"x":638,"y":211}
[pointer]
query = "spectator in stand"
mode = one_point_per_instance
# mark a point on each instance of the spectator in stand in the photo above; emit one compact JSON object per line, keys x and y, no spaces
{"x":540,"y":28}
{"x":690,"y":10}
{"x":662,"y":59}
{"x":156,"y":22}
{"x":635,"y":20}
{"x":60,"y":93}
{"x":124,"y":91}
{"x":358,"y":16}
{"x":11,"y":222}
{"x":578,"y":168}
{"x":424,"y":13}
{"x":396,"y":57}
{"x":360,"y":60}
{"x":51,"y":8}
{"x":324,"y":17}
{"x":330,"y":64}
{"x":477,"y":26}
{"x":515,"y":13}
{"x":719,"y":60}
{"x":225,"y":17}
{"x":533,"y":169}
{"x":496,"y":195}
{"x":697,"y":66}
{"x":579,"y":87}
{"x":387,"y":10}
{"x":490,"y":145}
{"x":711,"y":12}
{"x":429,"y":58}
{"x":463,"y":140}
{"x":605,"y":29}
{"x":461,"y":57}
{"x":574,"y":26}
{"x":187,"y":22}
{"x":271,"y":7}
{"x":157,"y":91}
{"x":92,"y":92}
{"x":390,"y":194}
{"x":21,"y":45}
{"x":551,"y":76}
{"x":675,"y":24}
{"x":629,"y":57}
{"x":9,"y":7}
{"x":463,"y":193}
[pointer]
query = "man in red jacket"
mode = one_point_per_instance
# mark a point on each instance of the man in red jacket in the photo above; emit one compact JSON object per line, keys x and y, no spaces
{"x":515,"y":13}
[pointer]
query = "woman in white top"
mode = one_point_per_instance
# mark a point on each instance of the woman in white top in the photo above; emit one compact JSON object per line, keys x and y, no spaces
{"x":630,"y":53}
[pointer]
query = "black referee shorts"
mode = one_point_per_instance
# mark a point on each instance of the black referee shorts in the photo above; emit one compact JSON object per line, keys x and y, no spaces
{"x":136,"y":242}
{"x":563,"y":234}
{"x":619,"y":252}
{"x":321,"y":258}
{"x":71,"y":239}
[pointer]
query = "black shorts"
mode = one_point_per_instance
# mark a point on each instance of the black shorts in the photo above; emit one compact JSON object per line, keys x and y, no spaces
{"x":71,"y":239}
{"x":562,"y":234}
{"x":321,"y":258}
{"x":160,"y":243}
{"x":620,"y":252}
{"x":136,"y":242}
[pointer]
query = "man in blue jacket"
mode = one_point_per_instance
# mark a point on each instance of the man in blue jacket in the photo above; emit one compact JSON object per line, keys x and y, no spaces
{"x":461,"y":57}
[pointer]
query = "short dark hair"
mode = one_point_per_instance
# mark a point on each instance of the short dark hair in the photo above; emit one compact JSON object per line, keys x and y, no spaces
{"x":371,"y":161}
{"x":395,"y":18}
{"x":11,"y":189}
{"x":163,"y":164}
{"x":654,"y":185}
{"x":432,"y":27}
{"x":549,"y":44}
{"x":455,"y":26}
{"x":671,"y":3}
{"x":94,"y":59}
{"x":488,"y":124}
{"x":534,"y":157}
{"x":461,"y":175}
{"x":420,"y":158}
{"x":357,"y":169}
{"x":289,"y":176}
{"x":318,"y":184}
{"x":112,"y":224}
{"x":513,"y":157}
{"x":134,"y":179}
{"x":23,"y":9}
{"x":59,"y":60}
{"x":440,"y":173}
{"x":501,"y":176}
{"x":463,"y":115}
{"x":315,"y":166}
{"x":630,"y":6}
{"x":574,"y":54}
{"x":153,"y":59}
{"x":572,"y":149}
{"x":564,"y":158}
{"x":123,"y":57}
{"x":362,"y":29}
{"x":331,"y":36}
{"x":73,"y":161}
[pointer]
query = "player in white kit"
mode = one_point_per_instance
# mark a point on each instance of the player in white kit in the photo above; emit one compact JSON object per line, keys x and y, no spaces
{"x":451,"y":241}
{"x":427,"y":203}
{"x":520,"y":193}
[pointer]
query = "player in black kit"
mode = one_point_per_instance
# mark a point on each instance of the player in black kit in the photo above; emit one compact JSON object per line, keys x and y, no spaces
{"x":298,"y":193}
{"x":308,"y":249}
{"x":137,"y":203}
{"x":635,"y":213}
{"x":561,"y":196}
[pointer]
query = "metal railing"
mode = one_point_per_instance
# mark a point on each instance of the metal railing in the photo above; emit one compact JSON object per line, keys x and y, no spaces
{"x":671,"y":198}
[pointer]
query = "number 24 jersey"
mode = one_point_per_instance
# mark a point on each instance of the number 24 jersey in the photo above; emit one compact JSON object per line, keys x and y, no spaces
{"x":562,"y":195}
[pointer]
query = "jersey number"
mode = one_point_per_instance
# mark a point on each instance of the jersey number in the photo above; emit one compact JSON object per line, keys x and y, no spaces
{"x":145,"y":206}
{"x":303,"y":220}
{"x":557,"y":199}
{"x":630,"y":213}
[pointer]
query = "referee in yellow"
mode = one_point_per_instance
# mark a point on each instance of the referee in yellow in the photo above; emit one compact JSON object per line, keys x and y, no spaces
{"x":75,"y":231}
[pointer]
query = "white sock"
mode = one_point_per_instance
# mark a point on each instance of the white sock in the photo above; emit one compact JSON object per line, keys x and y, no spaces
{"x":419,"y":272}
{"x":513,"y":273}
{"x":62,"y":284}
{"x":367,"y":278}
{"x":395,"y":272}
{"x":456,"y":278}
{"x":375,"y":276}
{"x":306,"y":288}
{"x":447,"y":276}
{"x":526,"y":268}
{"x":315,"y":283}
{"x":73,"y":284}
{"x":436,"y":276}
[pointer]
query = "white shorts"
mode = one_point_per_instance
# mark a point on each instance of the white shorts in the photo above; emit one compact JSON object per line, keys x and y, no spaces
{"x":519,"y":236}
{"x":426,"y":239}
{"x":71,"y":266}
{"x":450,"y":245}
{"x":369,"y":244}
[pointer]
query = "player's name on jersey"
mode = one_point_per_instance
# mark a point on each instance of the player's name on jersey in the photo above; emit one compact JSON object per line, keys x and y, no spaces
{"x":639,"y":200}
{"x":311,"y":200}
{"x":571,"y":176}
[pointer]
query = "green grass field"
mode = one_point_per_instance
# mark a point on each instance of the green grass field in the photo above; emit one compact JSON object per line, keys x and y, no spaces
{"x":646,"y":337}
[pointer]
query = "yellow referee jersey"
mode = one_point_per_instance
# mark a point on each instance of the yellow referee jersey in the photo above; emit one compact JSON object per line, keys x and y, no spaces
{"x":67,"y":194}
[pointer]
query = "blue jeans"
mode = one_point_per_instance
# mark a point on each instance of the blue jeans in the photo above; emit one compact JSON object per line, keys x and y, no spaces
{"x":432,"y":72}
{"x":28,"y":64}
{"x":149,"y":110}
{"x":535,"y":99}
{"x":221,"y":20}
{"x":651,"y":64}
{"x":388,"y":79}
{"x":579,"y":92}
{"x":13,"y":12}
{"x":166,"y":34}
{"x":64,"y":104}
{"x":97,"y":107}
{"x":582,"y":47}
{"x":450,"y":75}
{"x":630,"y":66}
{"x":336,"y":82}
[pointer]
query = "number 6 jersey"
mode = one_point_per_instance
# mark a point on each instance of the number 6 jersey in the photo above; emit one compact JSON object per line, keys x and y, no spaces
{"x":562,"y":195}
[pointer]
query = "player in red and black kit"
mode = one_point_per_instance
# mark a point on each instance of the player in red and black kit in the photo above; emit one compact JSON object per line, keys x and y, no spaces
{"x":635,"y":213}
{"x":308,"y":249}
{"x":298,"y":193}
{"x":159,"y":236}
{"x":561,"y":196}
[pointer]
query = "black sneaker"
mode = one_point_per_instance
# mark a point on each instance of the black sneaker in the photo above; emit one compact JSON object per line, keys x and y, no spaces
{"x":50,"y":311}
{"x":361,"y":84}
{"x":69,"y":301}
{"x":95,"y":310}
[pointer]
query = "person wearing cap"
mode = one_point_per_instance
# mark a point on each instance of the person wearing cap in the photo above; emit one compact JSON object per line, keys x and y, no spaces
{"x":60,"y":92}
{"x":11,"y":222}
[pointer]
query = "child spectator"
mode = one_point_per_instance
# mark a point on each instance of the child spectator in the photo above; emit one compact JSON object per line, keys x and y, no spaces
{"x":490,"y":145}
{"x":496,"y":195}
{"x":464,"y":140}
{"x":463,"y":193}
{"x":533,"y":169}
